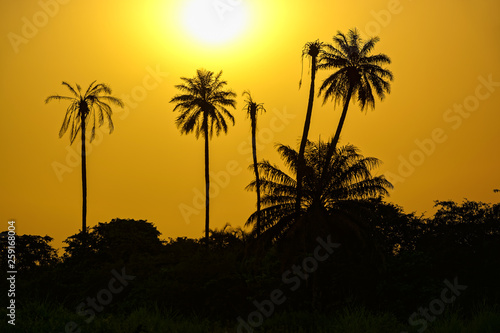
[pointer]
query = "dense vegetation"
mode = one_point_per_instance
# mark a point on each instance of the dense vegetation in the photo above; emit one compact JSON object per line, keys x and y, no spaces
{"x":385,"y":269}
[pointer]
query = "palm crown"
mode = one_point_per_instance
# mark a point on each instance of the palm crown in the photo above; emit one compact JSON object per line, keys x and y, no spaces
{"x":92,"y":106}
{"x":348,"y":178}
{"x":358,"y":70}
{"x":203,"y":104}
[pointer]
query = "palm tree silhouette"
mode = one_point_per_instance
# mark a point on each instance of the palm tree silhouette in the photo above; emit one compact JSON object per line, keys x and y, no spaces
{"x":202,"y":106}
{"x":86,"y":110}
{"x":348,"y":179}
{"x":358,"y":74}
{"x":252,"y":108}
{"x":311,"y":50}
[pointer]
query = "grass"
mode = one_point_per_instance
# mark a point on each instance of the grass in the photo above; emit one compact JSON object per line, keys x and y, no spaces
{"x":46,"y":317}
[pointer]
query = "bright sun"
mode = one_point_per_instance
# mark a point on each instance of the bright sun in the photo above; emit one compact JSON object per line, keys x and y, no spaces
{"x":215,"y":21}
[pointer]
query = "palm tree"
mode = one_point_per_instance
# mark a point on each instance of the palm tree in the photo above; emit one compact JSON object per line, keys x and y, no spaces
{"x":252,"y":108}
{"x":87,"y":110}
{"x":358,"y":74}
{"x":328,"y":210}
{"x":203,"y":108}
{"x":311,"y":50}
{"x":349,"y":179}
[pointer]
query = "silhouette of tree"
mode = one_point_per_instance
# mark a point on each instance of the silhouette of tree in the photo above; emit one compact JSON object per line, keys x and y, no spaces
{"x":202,"y":106}
{"x":496,"y":190}
{"x":252,"y":108}
{"x":86,"y":110}
{"x":117,"y":240}
{"x":32,"y":252}
{"x":227,"y":237}
{"x":311,"y":50}
{"x":348,"y":179}
{"x":358,"y":74}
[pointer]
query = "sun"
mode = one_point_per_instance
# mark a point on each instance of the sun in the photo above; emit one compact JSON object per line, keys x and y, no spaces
{"x":215,"y":21}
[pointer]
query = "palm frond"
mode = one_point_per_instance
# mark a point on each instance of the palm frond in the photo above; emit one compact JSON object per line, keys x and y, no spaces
{"x":92,"y":106}
{"x":348,"y":178}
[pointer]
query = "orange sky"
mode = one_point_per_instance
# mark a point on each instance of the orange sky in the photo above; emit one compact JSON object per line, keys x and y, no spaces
{"x":444,"y":54}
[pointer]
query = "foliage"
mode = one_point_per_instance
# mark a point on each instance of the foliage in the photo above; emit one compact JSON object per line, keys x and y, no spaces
{"x":203,"y":104}
{"x":32,"y":252}
{"x":358,"y":71}
{"x":348,"y":178}
{"x":92,"y":106}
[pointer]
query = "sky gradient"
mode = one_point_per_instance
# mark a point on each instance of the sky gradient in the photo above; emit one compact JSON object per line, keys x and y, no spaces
{"x":437,"y":133}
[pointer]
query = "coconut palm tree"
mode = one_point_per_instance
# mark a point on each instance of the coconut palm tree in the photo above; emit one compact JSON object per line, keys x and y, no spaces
{"x":87,"y":110}
{"x":349,"y":179}
{"x":358,"y":74}
{"x":203,"y":110}
{"x":253,"y":108}
{"x":311,"y":50}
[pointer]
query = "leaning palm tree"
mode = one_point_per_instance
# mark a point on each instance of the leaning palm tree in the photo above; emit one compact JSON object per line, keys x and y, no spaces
{"x":203,"y":110}
{"x":349,"y":179}
{"x":358,"y":74}
{"x":86,"y":110}
{"x":311,"y":50}
{"x":253,"y":108}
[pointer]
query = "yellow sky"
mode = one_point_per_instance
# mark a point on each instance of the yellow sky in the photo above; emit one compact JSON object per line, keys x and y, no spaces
{"x":444,"y":54}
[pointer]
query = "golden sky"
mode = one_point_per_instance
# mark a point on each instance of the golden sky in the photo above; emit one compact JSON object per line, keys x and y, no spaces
{"x":437,"y":132}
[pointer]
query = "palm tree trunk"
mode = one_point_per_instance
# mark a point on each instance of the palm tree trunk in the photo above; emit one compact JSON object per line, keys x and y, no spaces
{"x":336,"y":137}
{"x":256,"y":169}
{"x":305,"y":133}
{"x":84,"y":175}
{"x":207,"y":183}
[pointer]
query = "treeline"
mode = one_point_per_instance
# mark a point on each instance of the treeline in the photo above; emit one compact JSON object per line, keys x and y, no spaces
{"x":386,"y":260}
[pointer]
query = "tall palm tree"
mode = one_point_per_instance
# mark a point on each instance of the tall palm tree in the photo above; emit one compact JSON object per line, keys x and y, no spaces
{"x":253,"y":108}
{"x":86,"y":110}
{"x":358,"y":74}
{"x":349,"y":179}
{"x":311,"y":50}
{"x":203,"y":110}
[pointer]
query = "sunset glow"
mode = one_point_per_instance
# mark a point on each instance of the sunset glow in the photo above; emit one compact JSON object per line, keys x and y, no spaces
{"x":146,"y":169}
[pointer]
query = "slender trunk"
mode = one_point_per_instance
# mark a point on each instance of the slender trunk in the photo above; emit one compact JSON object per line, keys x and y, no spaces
{"x":84,"y":175}
{"x":256,"y":169}
{"x":335,"y":140}
{"x":207,"y":182}
{"x":301,"y":159}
